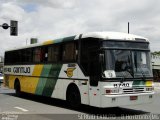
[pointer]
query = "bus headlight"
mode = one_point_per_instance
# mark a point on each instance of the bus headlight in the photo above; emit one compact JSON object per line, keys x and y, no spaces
{"x":112,"y":91}
{"x":149,"y":89}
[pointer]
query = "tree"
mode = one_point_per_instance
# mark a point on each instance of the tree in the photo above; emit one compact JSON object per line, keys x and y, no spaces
{"x":156,"y":53}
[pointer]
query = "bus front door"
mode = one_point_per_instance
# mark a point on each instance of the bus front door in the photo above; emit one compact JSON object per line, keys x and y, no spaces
{"x":94,"y":73}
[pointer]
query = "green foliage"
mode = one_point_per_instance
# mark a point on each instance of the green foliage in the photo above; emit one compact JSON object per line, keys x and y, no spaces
{"x":156,"y":53}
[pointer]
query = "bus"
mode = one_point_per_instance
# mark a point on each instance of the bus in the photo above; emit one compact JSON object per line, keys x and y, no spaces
{"x":101,"y":69}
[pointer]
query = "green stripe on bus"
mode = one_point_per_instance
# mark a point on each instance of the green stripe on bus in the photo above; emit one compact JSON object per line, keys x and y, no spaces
{"x":52,"y":80}
{"x":42,"y":81}
{"x":66,"y":39}
{"x":58,"y":40}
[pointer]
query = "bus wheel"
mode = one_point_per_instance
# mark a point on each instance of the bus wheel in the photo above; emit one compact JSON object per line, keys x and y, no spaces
{"x":73,"y":96}
{"x":17,"y":87}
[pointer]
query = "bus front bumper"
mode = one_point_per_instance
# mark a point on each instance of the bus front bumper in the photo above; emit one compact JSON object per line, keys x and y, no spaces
{"x":127,"y":99}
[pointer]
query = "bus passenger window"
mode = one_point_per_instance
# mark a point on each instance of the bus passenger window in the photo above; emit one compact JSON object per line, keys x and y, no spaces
{"x":28,"y":55}
{"x":44,"y":54}
{"x":37,"y":55}
{"x":53,"y":53}
{"x":69,"y":52}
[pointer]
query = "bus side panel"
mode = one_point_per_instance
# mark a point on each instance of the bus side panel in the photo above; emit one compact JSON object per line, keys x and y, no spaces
{"x":48,"y":79}
{"x":83,"y":87}
{"x":10,"y":81}
{"x":59,"y":89}
{"x":71,"y":73}
{"x":28,"y":84}
{"x":62,"y":85}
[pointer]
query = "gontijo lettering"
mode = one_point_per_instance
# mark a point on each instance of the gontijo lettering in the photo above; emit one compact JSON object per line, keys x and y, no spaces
{"x":7,"y":69}
{"x":21,"y":70}
{"x":17,"y":69}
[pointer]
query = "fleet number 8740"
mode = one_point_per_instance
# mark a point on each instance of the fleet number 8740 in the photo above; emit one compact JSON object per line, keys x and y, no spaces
{"x":121,"y":85}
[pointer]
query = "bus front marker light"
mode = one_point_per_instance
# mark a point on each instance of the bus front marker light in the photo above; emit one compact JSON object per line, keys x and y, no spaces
{"x":110,"y":91}
{"x":149,"y":89}
{"x":115,"y":91}
{"x":94,"y":94}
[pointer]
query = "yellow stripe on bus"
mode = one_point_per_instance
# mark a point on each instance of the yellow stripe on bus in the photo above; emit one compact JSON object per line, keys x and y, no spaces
{"x":37,"y":70}
{"x":48,"y":42}
{"x":11,"y":81}
{"x":28,"y":84}
{"x":34,"y":80}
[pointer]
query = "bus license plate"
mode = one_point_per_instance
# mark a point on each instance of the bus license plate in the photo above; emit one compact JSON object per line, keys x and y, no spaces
{"x":133,"y":97}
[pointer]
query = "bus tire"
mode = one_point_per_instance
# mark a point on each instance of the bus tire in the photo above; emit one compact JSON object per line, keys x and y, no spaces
{"x":73,"y":96}
{"x":17,"y":87}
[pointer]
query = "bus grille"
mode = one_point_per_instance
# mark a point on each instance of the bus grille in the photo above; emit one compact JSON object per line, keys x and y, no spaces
{"x":133,"y":90}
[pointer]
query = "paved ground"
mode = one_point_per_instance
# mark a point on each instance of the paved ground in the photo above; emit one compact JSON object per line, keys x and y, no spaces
{"x":32,"y":107}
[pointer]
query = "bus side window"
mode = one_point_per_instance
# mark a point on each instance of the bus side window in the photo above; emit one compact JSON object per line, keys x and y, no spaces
{"x":28,"y":55}
{"x":44,"y":54}
{"x":53,"y":53}
{"x":37,"y":55}
{"x":69,"y":53}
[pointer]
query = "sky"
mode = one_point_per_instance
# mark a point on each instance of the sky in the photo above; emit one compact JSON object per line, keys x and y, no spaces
{"x":51,"y":19}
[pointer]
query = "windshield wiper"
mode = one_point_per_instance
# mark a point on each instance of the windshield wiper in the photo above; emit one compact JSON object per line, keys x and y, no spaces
{"x":138,"y":67}
{"x":122,"y":79}
{"x":143,"y":74}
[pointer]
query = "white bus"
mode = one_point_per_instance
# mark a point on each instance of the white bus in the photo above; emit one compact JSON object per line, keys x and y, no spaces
{"x":101,"y":69}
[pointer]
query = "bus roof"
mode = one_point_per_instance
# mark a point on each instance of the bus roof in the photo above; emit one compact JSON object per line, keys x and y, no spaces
{"x":114,"y":36}
{"x":101,"y":35}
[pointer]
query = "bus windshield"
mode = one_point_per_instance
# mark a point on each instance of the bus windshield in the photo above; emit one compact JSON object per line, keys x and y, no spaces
{"x":127,"y":64}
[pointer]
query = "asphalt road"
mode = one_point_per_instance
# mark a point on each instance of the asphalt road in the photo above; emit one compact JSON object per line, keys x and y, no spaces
{"x":30,"y":107}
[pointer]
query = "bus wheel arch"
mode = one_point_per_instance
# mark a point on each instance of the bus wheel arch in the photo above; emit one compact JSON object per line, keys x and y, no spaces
{"x":73,"y":96}
{"x":17,"y":86}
